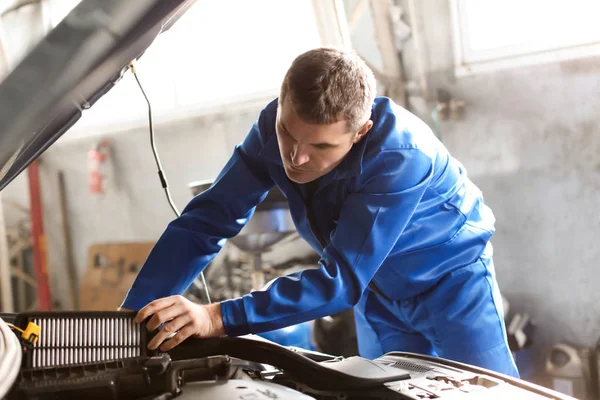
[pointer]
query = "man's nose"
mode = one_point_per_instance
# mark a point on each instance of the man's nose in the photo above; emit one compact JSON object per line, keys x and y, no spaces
{"x":299,"y":156}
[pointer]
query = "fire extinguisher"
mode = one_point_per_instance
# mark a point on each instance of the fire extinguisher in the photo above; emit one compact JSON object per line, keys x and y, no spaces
{"x":97,"y":170}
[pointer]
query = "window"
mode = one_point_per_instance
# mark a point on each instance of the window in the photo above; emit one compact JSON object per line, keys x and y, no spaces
{"x":492,"y":34}
{"x":219,"y":52}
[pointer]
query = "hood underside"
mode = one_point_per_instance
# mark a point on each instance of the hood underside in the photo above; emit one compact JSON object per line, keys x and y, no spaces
{"x":70,"y":69}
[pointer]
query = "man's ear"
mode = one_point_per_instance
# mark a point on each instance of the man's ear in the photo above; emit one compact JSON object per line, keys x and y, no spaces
{"x":363,"y":131}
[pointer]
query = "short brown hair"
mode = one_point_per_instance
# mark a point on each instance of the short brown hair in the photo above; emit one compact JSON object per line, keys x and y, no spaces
{"x":329,"y":84}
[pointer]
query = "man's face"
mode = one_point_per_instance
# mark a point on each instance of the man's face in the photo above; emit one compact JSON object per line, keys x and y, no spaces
{"x":309,"y":151}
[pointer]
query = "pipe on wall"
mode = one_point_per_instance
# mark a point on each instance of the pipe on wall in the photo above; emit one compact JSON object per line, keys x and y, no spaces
{"x":38,"y":238}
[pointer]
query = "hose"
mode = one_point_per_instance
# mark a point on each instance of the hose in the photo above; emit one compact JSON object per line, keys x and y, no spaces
{"x":10,"y":358}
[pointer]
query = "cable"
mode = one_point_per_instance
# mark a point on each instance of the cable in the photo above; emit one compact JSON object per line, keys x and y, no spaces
{"x":161,"y":175}
{"x":10,"y":358}
{"x":11,"y":326}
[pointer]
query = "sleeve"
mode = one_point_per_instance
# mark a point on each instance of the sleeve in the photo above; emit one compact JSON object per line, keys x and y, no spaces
{"x":191,"y":241}
{"x":370,"y":223}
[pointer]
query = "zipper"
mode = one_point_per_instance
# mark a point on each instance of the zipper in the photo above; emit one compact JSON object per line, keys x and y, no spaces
{"x":312,"y":223}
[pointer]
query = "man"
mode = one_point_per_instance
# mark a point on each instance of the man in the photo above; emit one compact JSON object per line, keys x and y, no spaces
{"x":402,"y":233}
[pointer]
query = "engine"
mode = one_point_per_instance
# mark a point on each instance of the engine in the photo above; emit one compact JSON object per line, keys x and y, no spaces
{"x":100,"y":355}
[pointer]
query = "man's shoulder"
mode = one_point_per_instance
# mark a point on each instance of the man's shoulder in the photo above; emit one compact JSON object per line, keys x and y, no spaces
{"x":396,"y":130}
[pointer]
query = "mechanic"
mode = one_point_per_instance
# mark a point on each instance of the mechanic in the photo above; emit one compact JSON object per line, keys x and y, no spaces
{"x":403,"y":234}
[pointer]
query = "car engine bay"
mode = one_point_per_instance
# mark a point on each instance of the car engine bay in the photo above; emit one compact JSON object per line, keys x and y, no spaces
{"x":103,"y":355}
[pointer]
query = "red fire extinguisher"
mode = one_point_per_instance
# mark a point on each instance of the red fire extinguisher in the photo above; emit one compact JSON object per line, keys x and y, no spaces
{"x":97,"y":170}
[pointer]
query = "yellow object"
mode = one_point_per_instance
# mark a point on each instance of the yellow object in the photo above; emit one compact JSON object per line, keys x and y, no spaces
{"x":30,"y":334}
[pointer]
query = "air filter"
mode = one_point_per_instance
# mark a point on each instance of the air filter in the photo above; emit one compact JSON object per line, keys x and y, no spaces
{"x":73,"y":338}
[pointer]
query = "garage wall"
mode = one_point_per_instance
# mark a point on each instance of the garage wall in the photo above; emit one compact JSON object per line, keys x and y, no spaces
{"x":531,"y":141}
{"x":134,"y":207}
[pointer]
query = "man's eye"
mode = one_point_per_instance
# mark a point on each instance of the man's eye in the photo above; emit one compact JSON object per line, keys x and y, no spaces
{"x":323,"y":146}
{"x":287,"y":134}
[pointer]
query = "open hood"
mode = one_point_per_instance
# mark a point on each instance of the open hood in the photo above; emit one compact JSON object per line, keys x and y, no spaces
{"x":70,"y":69}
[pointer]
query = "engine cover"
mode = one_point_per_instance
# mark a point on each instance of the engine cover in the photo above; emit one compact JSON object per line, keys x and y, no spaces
{"x":236,"y":389}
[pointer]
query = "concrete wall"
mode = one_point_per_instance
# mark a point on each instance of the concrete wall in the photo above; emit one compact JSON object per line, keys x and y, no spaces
{"x":531,"y":141}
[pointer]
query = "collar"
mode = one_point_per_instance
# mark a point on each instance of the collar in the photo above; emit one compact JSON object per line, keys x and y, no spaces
{"x":270,"y":150}
{"x":352,"y":164}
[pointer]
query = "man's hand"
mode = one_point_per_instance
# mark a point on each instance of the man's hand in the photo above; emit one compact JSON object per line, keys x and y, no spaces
{"x":182,"y":318}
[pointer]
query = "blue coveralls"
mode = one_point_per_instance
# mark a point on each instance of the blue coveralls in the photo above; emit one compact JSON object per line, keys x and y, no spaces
{"x":402,"y":233}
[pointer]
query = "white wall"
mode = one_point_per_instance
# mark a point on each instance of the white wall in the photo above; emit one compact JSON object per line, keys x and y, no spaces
{"x":531,"y":141}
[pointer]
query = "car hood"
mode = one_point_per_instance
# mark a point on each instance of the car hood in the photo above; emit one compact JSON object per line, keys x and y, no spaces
{"x":78,"y":62}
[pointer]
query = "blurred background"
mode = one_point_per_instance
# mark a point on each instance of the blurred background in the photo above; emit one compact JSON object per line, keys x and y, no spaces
{"x":510,"y":87}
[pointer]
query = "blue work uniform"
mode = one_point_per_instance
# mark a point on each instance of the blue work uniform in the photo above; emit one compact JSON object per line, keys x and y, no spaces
{"x":403,"y":236}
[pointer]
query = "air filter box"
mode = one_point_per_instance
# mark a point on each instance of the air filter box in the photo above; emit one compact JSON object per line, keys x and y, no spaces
{"x":74,"y":338}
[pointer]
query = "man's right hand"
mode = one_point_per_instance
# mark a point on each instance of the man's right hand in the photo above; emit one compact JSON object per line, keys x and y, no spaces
{"x":178,"y":318}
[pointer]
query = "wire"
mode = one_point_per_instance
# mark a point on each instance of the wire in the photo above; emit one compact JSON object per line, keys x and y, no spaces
{"x":161,"y":175}
{"x":15,"y":327}
{"x":10,"y":358}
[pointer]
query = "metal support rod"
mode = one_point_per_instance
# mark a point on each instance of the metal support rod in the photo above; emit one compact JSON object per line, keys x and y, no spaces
{"x":5,"y":279}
